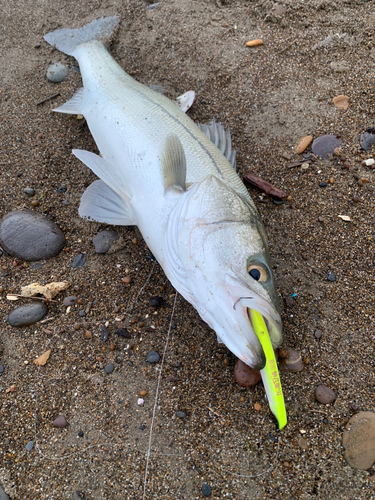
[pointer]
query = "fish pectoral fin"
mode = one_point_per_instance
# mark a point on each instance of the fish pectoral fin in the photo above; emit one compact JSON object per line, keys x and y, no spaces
{"x":173,"y":164}
{"x":74,"y":106}
{"x":185,"y":101}
{"x":100,"y":203}
{"x":104,"y":170}
{"x":221,"y":138}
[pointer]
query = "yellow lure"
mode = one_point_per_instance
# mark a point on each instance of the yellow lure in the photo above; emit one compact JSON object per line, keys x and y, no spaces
{"x":270,"y":373}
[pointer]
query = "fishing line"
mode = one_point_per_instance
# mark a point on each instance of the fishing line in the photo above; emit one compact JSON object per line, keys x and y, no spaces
{"x":156,"y":397}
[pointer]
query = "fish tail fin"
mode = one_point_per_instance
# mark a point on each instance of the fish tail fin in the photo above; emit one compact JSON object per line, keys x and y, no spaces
{"x":66,"y":40}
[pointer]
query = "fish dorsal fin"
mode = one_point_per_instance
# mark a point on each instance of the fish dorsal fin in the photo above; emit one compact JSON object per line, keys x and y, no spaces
{"x":104,"y":170}
{"x":221,"y":138}
{"x":100,"y":203}
{"x":74,"y":106}
{"x":173,"y":164}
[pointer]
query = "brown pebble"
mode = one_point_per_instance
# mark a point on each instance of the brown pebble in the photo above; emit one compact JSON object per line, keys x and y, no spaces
{"x":289,"y":198}
{"x":112,"y":347}
{"x":77,"y":327}
{"x":126,"y":279}
{"x":143,"y":393}
{"x":324,"y":395}
{"x":306,"y":361}
{"x":134,"y":241}
{"x":283,"y":353}
{"x":287,"y":465}
{"x":244,"y":375}
{"x":79,"y":301}
{"x":331,"y":180}
{"x":35,"y":203}
{"x":242,"y":399}
{"x":257,"y":407}
{"x":364,"y":180}
{"x":87,"y":334}
{"x":318,"y":334}
{"x":341,"y":101}
{"x":255,"y":43}
{"x":60,"y":421}
{"x":355,"y":198}
{"x":292,"y":363}
{"x":303,"y":143}
{"x":225,"y":361}
{"x":302,"y":443}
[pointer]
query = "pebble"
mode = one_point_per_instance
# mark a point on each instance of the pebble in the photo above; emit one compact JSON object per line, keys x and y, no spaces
{"x":368,"y":138}
{"x":109,"y":368}
{"x":153,"y":357}
{"x":57,"y":73}
{"x":318,"y":334}
{"x":142,"y":427}
{"x":79,"y":495}
{"x":29,"y":191}
{"x":123,"y":332}
{"x":30,"y":236}
{"x":254,"y":43}
{"x":156,"y":302}
{"x":292,"y":363}
{"x":60,"y":421}
{"x":331,"y":277}
{"x":322,"y":184}
{"x":104,"y":240}
{"x":61,"y":189}
{"x":206,"y":490}
{"x":359,"y":440}
{"x":180,"y":414}
{"x":289,"y":301}
{"x":339,"y":66}
{"x":1,"y":369}
{"x":325,"y":145}
{"x":79,"y":261}
{"x":303,"y":443}
{"x":244,"y":375}
{"x":80,"y":434}
{"x":303,"y":143}
{"x":3,"y":495}
{"x":341,"y":101}
{"x":81,"y":313}
{"x":143,"y":393}
{"x":104,"y":333}
{"x":28,"y":314}
{"x":70,"y":301}
{"x":29,"y":445}
{"x":324,"y":395}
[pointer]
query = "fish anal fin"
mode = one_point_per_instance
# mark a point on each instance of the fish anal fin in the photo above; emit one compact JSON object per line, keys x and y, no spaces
{"x":173,"y":164}
{"x":74,"y":106}
{"x":100,"y":203}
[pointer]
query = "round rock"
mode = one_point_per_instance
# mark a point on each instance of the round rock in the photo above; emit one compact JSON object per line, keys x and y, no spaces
{"x":29,"y":445}
{"x":57,"y":73}
{"x":331,"y":277}
{"x":60,"y":421}
{"x":153,"y":357}
{"x":30,"y":236}
{"x":325,"y":145}
{"x":324,"y":395}
{"x":359,"y":440}
{"x":70,"y":301}
{"x":109,"y":368}
{"x":180,"y":414}
{"x":206,"y":490}
{"x":244,"y":375}
{"x":28,"y":314}
{"x":29,"y":191}
{"x":104,"y":240}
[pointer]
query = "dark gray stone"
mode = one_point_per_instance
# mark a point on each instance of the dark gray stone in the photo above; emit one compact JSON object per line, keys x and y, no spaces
{"x":104,"y":333}
{"x":29,"y":191}
{"x":30,"y":236}
{"x":28,"y":314}
{"x":331,"y":277}
{"x":325,"y":145}
{"x":153,"y":357}
{"x":1,"y":369}
{"x":57,"y":73}
{"x":123,"y":332}
{"x":3,"y":495}
{"x":368,"y":138}
{"x":79,"y":261}
{"x":324,"y":395}
{"x":180,"y":414}
{"x":29,"y":445}
{"x":109,"y":368}
{"x":206,"y":490}
{"x":104,"y":240}
{"x":70,"y":301}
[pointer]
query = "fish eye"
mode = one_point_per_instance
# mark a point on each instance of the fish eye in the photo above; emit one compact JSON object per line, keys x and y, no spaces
{"x":257,"y":272}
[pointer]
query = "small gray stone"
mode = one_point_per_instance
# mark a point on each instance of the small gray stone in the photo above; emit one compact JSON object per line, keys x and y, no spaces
{"x":180,"y":414}
{"x":206,"y":490}
{"x":104,"y":240}
{"x":79,"y":261}
{"x":70,"y":301}
{"x":30,"y":236}
{"x":60,"y":421}
{"x":331,"y":277}
{"x":29,"y":191}
{"x":29,"y":445}
{"x":28,"y":314}
{"x":57,"y":73}
{"x":339,"y":66}
{"x":3,"y":495}
{"x":1,"y":369}
{"x":324,"y":395}
{"x":153,"y":357}
{"x":318,"y":334}
{"x":109,"y":368}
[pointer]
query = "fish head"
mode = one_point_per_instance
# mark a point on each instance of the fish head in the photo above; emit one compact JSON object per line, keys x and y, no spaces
{"x":223,"y":248}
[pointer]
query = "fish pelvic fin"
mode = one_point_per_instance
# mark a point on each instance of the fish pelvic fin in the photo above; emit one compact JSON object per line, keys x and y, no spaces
{"x":66,"y":40}
{"x":221,"y":138}
{"x":173,"y":164}
{"x":74,"y":106}
{"x":100,"y":203}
